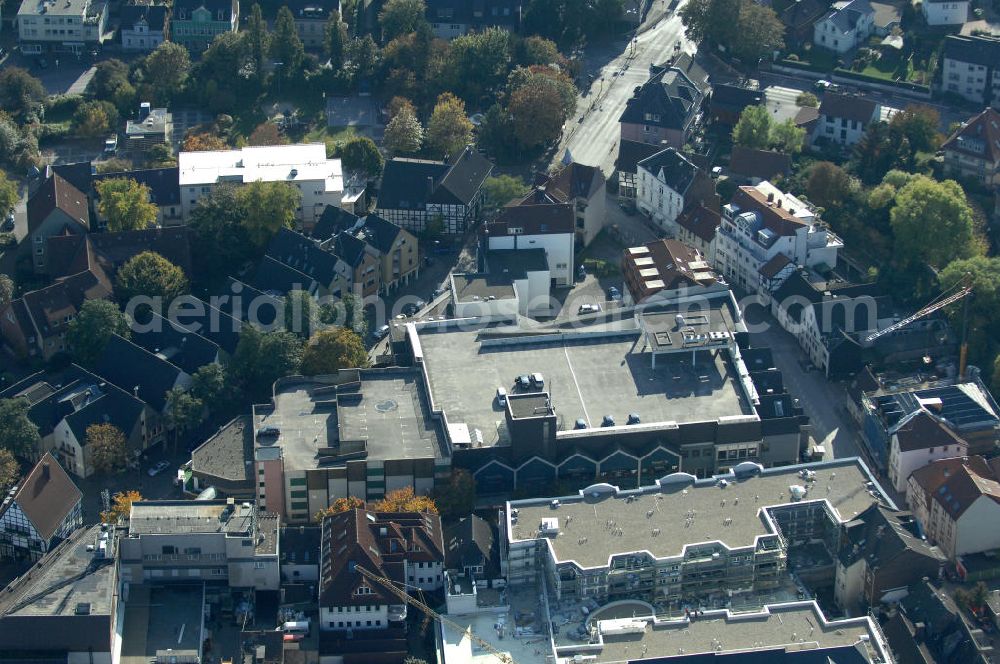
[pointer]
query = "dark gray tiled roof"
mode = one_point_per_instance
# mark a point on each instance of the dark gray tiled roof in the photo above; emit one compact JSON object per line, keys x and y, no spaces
{"x":137,"y":371}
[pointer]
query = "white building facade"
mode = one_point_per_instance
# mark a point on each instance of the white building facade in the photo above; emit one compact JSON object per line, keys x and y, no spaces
{"x":66,"y":26}
{"x":948,"y":12}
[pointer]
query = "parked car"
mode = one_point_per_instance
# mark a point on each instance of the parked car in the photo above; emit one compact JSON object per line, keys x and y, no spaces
{"x":581,"y":273}
{"x":537,"y":380}
{"x":501,"y":396}
{"x":608,"y":421}
{"x":268,"y":432}
{"x":580,"y":424}
{"x":8,"y":222}
{"x":158,"y":468}
{"x":438,"y":291}
{"x":524,"y":382}
{"x":614,"y":294}
{"x":589,"y":308}
{"x":633,"y":418}
{"x":380,"y":333}
{"x":822,"y":85}
{"x":411,"y":309}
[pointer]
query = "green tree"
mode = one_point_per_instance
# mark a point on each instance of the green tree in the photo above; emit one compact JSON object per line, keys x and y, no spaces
{"x":210,"y":385}
{"x":110,"y":82}
{"x":760,"y":32}
{"x":263,"y":357}
{"x":400,"y":17}
{"x":183,"y":412}
{"x":89,"y":332}
{"x":403,"y":134}
{"x":496,"y":134}
{"x":222,"y":243}
{"x":335,"y":40}
{"x":9,"y":195}
{"x":753,"y":129}
{"x":333,"y":349}
{"x":502,"y":189}
{"x":258,"y":41}
{"x":286,"y":47}
{"x":828,"y":185}
{"x":125,"y":204}
{"x":787,"y":137}
{"x":363,"y":54}
{"x":167,"y":69}
{"x":106,"y":444}
{"x":537,"y":50}
{"x":10,"y":470}
{"x":226,"y":73}
{"x":268,"y":206}
{"x":983,"y":331}
{"x":716,"y":21}
{"x":932,"y":222}
{"x":919,"y":126}
{"x":301,"y":313}
{"x":150,"y":274}
{"x":18,"y":145}
{"x":540,"y":102}
{"x":449,"y":129}
{"x":18,"y":433}
{"x":160,"y":156}
{"x":807,"y":99}
{"x":360,"y":154}
{"x":476,"y":64}
{"x":457,"y":498}
{"x":21,"y":94}
{"x":6,"y":289}
{"x":95,"y":118}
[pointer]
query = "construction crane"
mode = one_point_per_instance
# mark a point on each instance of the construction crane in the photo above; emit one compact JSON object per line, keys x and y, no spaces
{"x":964,"y":289}
{"x":431,"y":613}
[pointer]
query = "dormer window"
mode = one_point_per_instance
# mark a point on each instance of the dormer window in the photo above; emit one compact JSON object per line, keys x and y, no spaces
{"x":363,"y":590}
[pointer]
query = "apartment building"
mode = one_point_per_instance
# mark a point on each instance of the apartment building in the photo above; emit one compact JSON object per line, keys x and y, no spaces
{"x":974,"y":150}
{"x":195,"y":23}
{"x":762,"y":222}
{"x":304,"y":166}
{"x":945,"y":12}
{"x":844,"y":118}
{"x":185,"y":541}
{"x":919,"y":439}
{"x":537,"y":222}
{"x":681,"y":537}
{"x":665,"y":269}
{"x":969,"y":68}
{"x":668,"y":184}
{"x":62,"y":26}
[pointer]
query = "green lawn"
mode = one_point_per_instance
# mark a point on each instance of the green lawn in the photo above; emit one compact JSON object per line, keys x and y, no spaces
{"x":329,"y":135}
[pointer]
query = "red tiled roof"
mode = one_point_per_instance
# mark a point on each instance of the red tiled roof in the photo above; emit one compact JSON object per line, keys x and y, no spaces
{"x":769,"y":269}
{"x":57,"y":193}
{"x":781,"y":220}
{"x":763,"y":164}
{"x":47,"y":495}
{"x":701,"y":221}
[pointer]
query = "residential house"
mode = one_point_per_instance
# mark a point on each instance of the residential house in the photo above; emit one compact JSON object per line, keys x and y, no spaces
{"x":844,"y":118}
{"x":63,"y":26}
{"x":300,"y":547}
{"x":760,"y":223}
{"x":397,"y":248}
{"x":71,"y":254}
{"x":537,"y":223}
{"x":194,"y":24}
{"x":974,"y":150}
{"x":62,"y":404}
{"x":965,"y":404}
{"x":304,"y":166}
{"x":407,"y":548}
{"x":970,"y":69}
{"x":173,"y":342}
{"x":945,"y":12}
{"x":667,"y":184}
{"x":755,"y":166}
{"x":918,"y":439}
{"x":139,"y":372}
{"x":310,"y":20}
{"x":583,"y":188}
{"x":415,"y":192}
{"x":696,"y":228}
{"x":453,"y":18}
{"x":324,"y":272}
{"x":185,"y":541}
{"x":880,"y":551}
{"x":39,"y":512}
{"x":665,"y":269}
{"x":630,"y":153}
{"x":799,"y":18}
{"x":154,"y":126}
{"x":55,"y":208}
{"x":363,"y":261}
{"x":957,"y":501}
{"x":664,"y":110}
{"x":471,"y":547}
{"x":845,"y":27}
{"x":143,"y":27}
{"x":730,"y":99}
{"x":35,"y":324}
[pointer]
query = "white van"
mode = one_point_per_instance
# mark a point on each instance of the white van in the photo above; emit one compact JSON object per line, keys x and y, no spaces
{"x":501,"y":396}
{"x":296,"y":627}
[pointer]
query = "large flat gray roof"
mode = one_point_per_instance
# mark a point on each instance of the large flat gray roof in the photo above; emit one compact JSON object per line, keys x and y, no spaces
{"x":393,"y":416}
{"x":587,"y":378}
{"x":64,"y":581}
{"x":797,"y":626}
{"x":171,"y":517}
{"x":304,"y":427}
{"x":664,"y":522}
{"x":477,"y":287}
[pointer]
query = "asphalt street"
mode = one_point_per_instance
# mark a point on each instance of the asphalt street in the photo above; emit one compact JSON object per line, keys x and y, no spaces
{"x":592,"y":132}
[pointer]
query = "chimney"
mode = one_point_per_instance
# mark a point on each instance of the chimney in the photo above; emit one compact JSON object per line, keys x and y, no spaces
{"x":46,"y":473}
{"x":779,"y":203}
{"x":770,"y":197}
{"x":144,"y":110}
{"x":430,"y":185}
